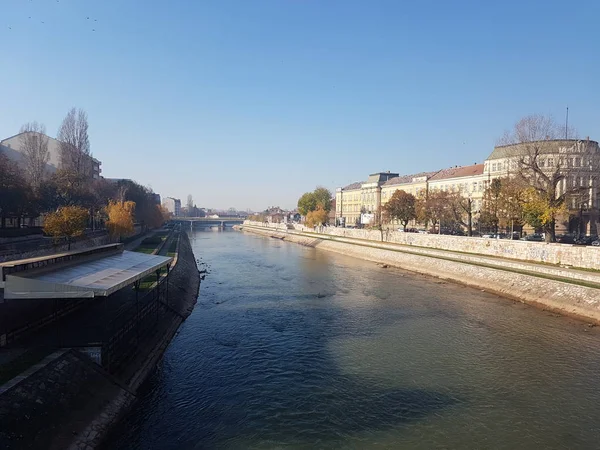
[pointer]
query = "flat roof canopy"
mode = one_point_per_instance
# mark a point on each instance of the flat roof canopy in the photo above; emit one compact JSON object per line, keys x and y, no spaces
{"x":92,"y":278}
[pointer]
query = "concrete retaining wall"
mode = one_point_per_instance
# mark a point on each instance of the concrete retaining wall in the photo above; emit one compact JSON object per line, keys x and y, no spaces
{"x":540,"y":252}
{"x":566,"y":298}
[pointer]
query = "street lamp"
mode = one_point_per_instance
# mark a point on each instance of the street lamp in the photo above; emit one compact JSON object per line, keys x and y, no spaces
{"x":581,"y":208}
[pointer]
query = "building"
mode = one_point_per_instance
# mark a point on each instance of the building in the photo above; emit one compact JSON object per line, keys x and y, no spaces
{"x":156,"y":198}
{"x":13,"y":148}
{"x":575,"y":162}
{"x":358,"y":202}
{"x":173,"y":205}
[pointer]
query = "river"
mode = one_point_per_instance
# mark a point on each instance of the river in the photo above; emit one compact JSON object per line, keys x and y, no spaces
{"x":294,"y":347}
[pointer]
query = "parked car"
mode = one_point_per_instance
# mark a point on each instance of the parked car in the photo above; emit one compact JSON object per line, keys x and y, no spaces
{"x":565,"y":239}
{"x":533,"y":237}
{"x":585,"y":240}
{"x":596,"y":243}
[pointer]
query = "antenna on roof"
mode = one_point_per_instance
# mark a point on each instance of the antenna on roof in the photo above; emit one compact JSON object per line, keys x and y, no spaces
{"x":567,"y":125}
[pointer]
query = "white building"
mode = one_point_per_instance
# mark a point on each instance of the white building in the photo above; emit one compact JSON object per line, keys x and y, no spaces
{"x":12,"y":147}
{"x":173,"y":205}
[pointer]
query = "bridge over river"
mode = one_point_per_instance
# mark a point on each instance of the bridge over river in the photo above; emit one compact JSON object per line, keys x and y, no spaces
{"x":206,"y":222}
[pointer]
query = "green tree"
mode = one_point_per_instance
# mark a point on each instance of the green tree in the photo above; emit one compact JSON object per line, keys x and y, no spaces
{"x":402,"y":207}
{"x":310,"y":201}
{"x":307,"y":203}
{"x":323,"y":197}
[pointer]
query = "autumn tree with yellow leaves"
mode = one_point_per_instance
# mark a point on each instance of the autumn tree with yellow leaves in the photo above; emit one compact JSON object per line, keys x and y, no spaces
{"x":317,"y":217}
{"x":66,"y":221}
{"x":120,"y":218}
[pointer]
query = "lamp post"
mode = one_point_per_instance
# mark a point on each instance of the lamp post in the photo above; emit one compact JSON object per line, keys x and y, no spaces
{"x":581,"y":208}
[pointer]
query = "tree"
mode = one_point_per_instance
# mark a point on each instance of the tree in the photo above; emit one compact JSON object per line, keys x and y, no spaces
{"x":120,"y":218}
{"x":75,"y":143}
{"x":402,"y":207}
{"x":509,"y":202}
{"x":317,"y":217}
{"x":539,"y":211}
{"x":461,"y":208}
{"x":310,"y":201}
{"x":323,"y":197}
{"x":67,"y":221}
{"x":436,"y":208}
{"x":13,"y":189}
{"x":547,"y":168}
{"x":34,"y":143}
{"x":307,"y":203}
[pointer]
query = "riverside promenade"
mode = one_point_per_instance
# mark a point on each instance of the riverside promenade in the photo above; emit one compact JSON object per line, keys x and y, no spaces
{"x":531,"y":275}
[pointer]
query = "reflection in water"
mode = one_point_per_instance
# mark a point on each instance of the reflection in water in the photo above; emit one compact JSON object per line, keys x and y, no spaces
{"x":290,"y":346}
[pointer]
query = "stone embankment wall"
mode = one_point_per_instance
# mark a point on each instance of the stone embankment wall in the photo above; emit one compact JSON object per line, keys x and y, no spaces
{"x":539,"y":252}
{"x":69,"y":402}
{"x":66,"y":389}
{"x":566,"y":298}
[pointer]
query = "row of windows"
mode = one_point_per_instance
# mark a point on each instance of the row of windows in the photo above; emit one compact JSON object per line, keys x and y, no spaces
{"x":575,"y":161}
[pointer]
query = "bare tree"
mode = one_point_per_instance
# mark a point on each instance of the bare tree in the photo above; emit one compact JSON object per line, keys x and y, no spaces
{"x":35,"y":148}
{"x":557,"y":170}
{"x":461,"y":208}
{"x":75,"y":143}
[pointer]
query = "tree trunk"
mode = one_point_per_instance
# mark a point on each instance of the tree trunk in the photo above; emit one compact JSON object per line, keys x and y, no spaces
{"x":470,"y":223}
{"x":550,"y":232}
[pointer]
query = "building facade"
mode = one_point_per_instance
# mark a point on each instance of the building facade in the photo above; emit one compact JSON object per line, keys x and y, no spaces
{"x":575,"y":162}
{"x":13,"y":148}
{"x":173,"y":205}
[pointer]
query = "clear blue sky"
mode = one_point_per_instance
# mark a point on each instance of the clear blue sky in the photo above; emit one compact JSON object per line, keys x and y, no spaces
{"x":250,"y":103}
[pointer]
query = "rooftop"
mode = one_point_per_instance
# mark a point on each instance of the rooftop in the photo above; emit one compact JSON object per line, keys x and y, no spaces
{"x":544,"y":147}
{"x":86,"y":279}
{"x":404,"y":179}
{"x":459,"y":171}
{"x":352,"y":186}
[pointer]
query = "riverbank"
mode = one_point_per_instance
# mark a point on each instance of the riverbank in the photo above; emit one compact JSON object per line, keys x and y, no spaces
{"x":67,"y":401}
{"x":558,"y":289}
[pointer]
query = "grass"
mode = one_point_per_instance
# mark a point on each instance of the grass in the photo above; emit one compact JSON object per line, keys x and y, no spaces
{"x":150,"y":244}
{"x":147,"y":282}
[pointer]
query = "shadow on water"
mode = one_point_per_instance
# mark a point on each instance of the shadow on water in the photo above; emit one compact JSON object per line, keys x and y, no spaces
{"x":257,"y":370}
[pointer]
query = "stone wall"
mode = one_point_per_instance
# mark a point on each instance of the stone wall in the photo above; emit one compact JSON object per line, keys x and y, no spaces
{"x":586,"y":257}
{"x":67,"y":389}
{"x":565,"y":298}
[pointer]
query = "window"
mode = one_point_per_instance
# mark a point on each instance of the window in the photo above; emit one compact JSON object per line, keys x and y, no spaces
{"x":494,"y":167}
{"x":542,"y":162}
{"x":577,"y":162}
{"x":570,"y":162}
{"x":550,"y":162}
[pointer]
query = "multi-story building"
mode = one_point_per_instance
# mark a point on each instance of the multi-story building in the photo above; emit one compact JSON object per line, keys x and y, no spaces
{"x":13,"y":148}
{"x":358,"y":202}
{"x":575,"y":162}
{"x":173,"y":205}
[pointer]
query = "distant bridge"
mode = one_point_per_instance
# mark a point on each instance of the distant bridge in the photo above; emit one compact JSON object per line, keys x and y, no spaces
{"x":207,"y":222}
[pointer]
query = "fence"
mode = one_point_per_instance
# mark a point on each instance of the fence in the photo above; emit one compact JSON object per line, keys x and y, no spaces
{"x":129,"y":330}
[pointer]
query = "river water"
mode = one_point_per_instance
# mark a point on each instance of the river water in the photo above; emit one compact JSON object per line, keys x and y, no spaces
{"x":294,"y":347}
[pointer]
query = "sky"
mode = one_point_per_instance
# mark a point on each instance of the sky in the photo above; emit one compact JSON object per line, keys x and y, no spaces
{"x":250,"y":103}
